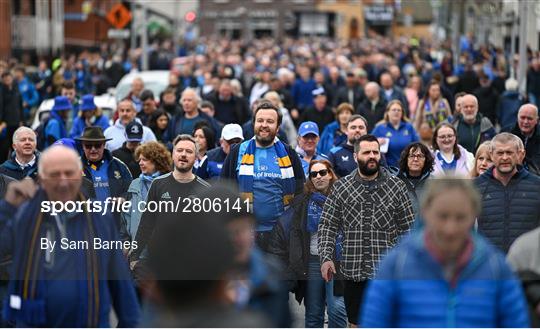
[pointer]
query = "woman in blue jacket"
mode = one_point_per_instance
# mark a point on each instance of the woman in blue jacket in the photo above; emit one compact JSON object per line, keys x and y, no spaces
{"x":445,"y":275}
{"x":395,"y":130}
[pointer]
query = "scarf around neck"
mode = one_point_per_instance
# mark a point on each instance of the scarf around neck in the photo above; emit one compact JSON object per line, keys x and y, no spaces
{"x":246,"y":172}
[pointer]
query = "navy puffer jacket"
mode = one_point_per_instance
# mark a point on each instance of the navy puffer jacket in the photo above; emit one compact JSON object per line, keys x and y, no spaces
{"x":508,"y":211}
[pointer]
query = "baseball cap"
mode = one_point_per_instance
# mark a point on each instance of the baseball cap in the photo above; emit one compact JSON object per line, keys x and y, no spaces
{"x":134,"y":131}
{"x":232,"y":131}
{"x":318,"y":91}
{"x":308,"y":127}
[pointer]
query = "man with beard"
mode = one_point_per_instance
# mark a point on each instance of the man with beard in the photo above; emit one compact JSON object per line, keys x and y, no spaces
{"x":372,"y":208}
{"x":472,"y":127}
{"x":170,"y":189}
{"x":342,"y":156}
{"x":268,"y":172}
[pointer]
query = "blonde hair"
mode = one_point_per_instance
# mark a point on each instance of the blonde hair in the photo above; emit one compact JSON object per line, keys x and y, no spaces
{"x":484,"y":148}
{"x":439,"y":186}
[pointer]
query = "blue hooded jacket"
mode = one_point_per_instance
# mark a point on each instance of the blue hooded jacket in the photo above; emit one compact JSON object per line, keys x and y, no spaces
{"x":410,"y":290}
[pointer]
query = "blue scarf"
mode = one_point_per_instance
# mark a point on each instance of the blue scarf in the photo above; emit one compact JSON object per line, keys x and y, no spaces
{"x":246,"y":173}
{"x":146,"y":181}
{"x":314,"y":211}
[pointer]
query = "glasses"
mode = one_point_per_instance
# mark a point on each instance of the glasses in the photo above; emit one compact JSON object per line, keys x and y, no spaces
{"x":96,"y":146}
{"x":446,"y":137}
{"x":322,"y":172}
{"x":417,"y":156}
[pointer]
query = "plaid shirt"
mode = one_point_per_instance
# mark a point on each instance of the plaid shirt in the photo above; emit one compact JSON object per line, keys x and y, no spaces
{"x":372,"y":216}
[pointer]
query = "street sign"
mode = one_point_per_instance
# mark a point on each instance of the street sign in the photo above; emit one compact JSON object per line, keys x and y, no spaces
{"x":119,"y":16}
{"x":118,"y":34}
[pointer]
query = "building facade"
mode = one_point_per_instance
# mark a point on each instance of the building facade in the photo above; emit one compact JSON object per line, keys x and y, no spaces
{"x":258,"y":18}
{"x":31,"y":26}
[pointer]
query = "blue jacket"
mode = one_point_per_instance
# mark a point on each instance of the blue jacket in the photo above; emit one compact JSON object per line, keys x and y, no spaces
{"x":399,"y":139}
{"x":79,"y":124}
{"x":410,"y":290}
{"x":28,"y":92}
{"x":330,"y":138}
{"x":119,"y":176}
{"x":12,"y":169}
{"x":215,"y":159}
{"x":301,"y":92}
{"x":342,"y":159}
{"x":508,"y":211}
{"x":54,"y":130}
{"x":53,"y":302}
{"x":508,"y":107}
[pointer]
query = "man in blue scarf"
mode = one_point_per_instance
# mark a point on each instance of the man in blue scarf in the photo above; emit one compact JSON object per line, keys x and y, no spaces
{"x":52,"y":285}
{"x":268,"y":172}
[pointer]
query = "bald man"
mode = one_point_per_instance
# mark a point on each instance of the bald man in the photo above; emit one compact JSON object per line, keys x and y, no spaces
{"x":65,"y":252}
{"x":373,"y":106}
{"x":526,"y":128}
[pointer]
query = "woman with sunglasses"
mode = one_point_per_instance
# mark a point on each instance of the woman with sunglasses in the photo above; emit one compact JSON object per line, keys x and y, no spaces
{"x":450,"y":157}
{"x":294,"y":240}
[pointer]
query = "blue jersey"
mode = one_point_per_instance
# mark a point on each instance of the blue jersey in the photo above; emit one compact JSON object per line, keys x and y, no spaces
{"x":267,"y":186}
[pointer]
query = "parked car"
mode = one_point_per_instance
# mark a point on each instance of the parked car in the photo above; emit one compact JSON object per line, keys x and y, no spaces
{"x":156,"y":81}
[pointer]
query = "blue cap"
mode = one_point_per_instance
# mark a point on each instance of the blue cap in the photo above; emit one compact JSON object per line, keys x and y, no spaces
{"x":87,"y":103}
{"x":68,"y":142}
{"x":308,"y":127}
{"x":61,"y":103}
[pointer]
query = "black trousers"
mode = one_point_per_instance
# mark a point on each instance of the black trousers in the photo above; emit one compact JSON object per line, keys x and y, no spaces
{"x":353,"y":295}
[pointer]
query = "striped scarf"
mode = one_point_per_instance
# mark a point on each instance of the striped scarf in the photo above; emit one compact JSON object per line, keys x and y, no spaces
{"x":246,"y":173}
{"x":28,"y":284}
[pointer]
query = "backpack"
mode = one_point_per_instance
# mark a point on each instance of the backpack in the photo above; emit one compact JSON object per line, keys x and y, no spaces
{"x":40,"y":134}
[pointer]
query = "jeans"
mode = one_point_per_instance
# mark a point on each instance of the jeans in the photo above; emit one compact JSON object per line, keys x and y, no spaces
{"x":319,"y":293}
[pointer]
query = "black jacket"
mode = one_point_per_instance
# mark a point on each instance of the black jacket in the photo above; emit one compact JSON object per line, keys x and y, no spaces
{"x":128,"y":158}
{"x":11,"y":105}
{"x":508,"y":211}
{"x":342,"y":96}
{"x":532,"y":148}
{"x":12,"y":169}
{"x":321,"y":118}
{"x":231,"y":162}
{"x":239,"y":105}
{"x":4,"y":181}
{"x":372,"y":115}
{"x":487,"y":102}
{"x":289,"y":240}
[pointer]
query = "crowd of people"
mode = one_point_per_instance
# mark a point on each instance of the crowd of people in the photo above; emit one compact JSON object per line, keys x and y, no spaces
{"x":377,"y":182}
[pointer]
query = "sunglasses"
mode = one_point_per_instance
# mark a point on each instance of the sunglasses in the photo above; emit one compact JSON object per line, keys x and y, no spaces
{"x":322,"y":172}
{"x":96,"y":146}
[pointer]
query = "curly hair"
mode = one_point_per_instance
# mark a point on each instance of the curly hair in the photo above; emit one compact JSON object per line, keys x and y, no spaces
{"x":403,"y":159}
{"x":157,"y":153}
